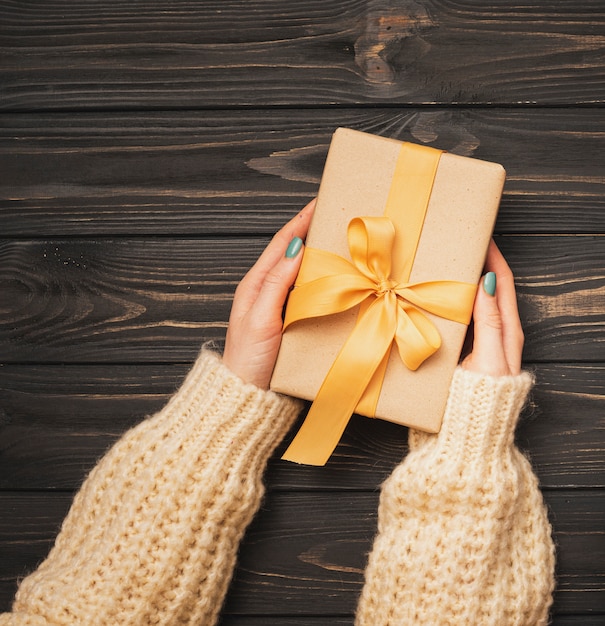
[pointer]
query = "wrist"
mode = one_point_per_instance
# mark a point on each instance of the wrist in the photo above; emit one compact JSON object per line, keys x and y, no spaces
{"x":480,"y":416}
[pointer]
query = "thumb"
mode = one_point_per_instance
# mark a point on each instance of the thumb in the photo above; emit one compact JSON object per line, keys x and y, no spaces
{"x":279,"y":279}
{"x":488,"y":354}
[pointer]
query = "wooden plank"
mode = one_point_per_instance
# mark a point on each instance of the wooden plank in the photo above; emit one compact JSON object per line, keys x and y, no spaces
{"x":247,"y":171}
{"x":150,"y":300}
{"x":553,"y":432}
{"x":302,"y":546}
{"x":267,"y":620}
{"x":294,"y":547}
{"x":281,"y":620}
{"x":125,"y":297}
{"x":561,"y":295}
{"x":57,"y":421}
{"x":28,"y":527}
{"x":75,"y":56}
{"x":577,"y":620}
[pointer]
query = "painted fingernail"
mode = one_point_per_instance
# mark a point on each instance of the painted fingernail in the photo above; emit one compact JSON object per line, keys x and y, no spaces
{"x":294,"y":247}
{"x":489,"y":283}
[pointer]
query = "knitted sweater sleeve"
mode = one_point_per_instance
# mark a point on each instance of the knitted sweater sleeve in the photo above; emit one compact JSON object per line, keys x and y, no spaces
{"x":152,"y":536}
{"x":463,"y":534}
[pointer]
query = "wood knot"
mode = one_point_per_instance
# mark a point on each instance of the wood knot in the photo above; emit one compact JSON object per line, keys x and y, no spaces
{"x":390,"y":39}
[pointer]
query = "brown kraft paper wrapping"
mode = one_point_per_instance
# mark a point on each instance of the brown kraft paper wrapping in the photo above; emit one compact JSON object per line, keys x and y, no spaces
{"x":459,"y":221}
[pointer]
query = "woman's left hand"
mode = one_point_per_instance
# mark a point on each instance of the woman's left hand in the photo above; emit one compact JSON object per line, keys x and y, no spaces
{"x":255,"y":323}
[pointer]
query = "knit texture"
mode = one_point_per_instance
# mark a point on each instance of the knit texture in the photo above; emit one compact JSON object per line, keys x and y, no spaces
{"x":153,"y":534}
{"x":463,"y":534}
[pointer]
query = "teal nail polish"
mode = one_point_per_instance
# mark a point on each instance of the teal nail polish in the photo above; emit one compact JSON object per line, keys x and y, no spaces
{"x":489,"y":283}
{"x":294,"y":247}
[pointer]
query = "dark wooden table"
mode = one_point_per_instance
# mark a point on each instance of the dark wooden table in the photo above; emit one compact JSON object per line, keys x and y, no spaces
{"x":147,"y":152}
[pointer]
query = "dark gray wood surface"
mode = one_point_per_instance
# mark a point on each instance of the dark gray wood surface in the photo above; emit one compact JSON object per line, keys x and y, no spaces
{"x":148,"y":150}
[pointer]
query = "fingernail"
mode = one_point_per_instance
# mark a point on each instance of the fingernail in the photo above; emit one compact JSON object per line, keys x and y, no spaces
{"x":489,"y":283}
{"x":294,"y":247}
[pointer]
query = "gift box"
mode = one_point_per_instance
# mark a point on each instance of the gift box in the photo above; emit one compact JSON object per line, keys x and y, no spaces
{"x":378,"y":315}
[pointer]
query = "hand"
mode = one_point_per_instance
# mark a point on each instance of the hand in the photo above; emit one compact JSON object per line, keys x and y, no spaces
{"x":255,"y":323}
{"x":498,"y":336}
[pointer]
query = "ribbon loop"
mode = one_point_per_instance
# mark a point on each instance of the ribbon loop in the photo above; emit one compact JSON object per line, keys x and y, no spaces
{"x":368,"y":238}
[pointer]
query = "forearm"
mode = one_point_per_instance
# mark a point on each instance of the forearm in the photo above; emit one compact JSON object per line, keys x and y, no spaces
{"x":463,"y":536}
{"x":153,"y":534}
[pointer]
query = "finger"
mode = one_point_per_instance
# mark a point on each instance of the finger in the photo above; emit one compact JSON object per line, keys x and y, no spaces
{"x":488,"y":355}
{"x":248,"y":289}
{"x":512,"y":332}
{"x":278,"y":281}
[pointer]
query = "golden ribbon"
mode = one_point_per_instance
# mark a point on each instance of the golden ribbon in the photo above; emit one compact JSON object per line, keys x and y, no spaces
{"x":390,"y":308}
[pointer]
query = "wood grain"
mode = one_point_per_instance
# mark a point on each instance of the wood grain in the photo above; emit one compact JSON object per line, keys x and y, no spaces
{"x":267,"y":620}
{"x":147,"y":152}
{"x":293,"y":547}
{"x":336,"y":620}
{"x":247,"y":172}
{"x":301,"y":546}
{"x":558,"y":305}
{"x":57,"y":421}
{"x":145,"y":300}
{"x":81,"y":56}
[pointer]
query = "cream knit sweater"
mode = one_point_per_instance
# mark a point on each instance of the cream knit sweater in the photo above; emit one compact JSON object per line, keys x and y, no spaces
{"x":153,"y":534}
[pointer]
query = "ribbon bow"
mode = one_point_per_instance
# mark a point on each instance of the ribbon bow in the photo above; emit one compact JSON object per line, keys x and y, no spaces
{"x":390,"y":312}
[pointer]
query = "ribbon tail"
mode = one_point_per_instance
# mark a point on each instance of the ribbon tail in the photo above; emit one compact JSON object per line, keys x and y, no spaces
{"x":371,"y":394}
{"x":344,"y":385}
{"x":417,"y":338}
